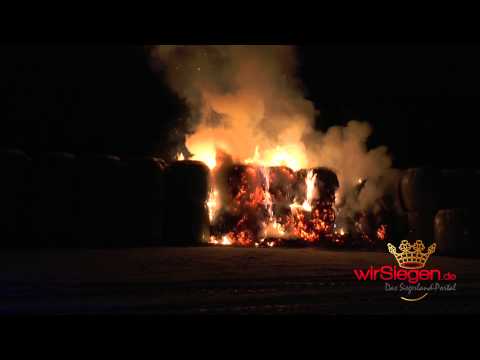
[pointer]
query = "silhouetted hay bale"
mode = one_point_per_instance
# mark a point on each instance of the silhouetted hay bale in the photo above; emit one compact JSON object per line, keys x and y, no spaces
{"x":145,"y":204}
{"x":55,"y":203}
{"x":419,"y":189}
{"x":186,"y":193}
{"x":456,"y":232}
{"x":101,"y":199}
{"x":186,"y":224}
{"x":15,"y":197}
{"x":188,"y":180}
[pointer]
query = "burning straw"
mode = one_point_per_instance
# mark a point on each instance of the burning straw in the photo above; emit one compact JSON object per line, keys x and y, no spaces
{"x":273,"y":173}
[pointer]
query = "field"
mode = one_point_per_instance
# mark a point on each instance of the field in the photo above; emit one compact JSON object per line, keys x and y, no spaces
{"x":216,"y":280}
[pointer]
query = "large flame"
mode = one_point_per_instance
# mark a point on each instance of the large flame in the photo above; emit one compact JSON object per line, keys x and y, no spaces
{"x":290,"y":156}
{"x":205,"y":152}
{"x":247,"y":101}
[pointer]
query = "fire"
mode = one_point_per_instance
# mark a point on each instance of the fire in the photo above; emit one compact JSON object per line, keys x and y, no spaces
{"x":382,"y":232}
{"x":225,"y":241}
{"x":310,"y":182}
{"x":271,"y":199}
{"x":290,"y":156}
{"x":212,"y":204}
{"x":205,"y":153}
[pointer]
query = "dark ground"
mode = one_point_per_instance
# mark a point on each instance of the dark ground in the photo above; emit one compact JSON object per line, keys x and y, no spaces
{"x":210,"y":280}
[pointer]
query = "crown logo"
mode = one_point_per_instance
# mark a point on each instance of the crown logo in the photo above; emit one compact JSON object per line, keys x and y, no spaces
{"x":412,"y":255}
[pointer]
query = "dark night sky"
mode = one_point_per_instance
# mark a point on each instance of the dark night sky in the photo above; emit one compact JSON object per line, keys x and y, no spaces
{"x":422,"y":99}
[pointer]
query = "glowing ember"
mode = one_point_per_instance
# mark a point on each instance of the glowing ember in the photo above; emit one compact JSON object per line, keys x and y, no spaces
{"x":225,"y":241}
{"x":382,"y":232}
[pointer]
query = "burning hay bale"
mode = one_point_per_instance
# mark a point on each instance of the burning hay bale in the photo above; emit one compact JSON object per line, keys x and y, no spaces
{"x":187,"y":188}
{"x":55,"y":199}
{"x":244,"y":204}
{"x":282,"y":181}
{"x":314,"y":219}
{"x":272,"y":205}
{"x":14,"y":196}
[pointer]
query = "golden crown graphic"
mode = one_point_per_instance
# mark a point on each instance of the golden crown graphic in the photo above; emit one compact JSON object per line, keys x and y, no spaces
{"x":412,"y":255}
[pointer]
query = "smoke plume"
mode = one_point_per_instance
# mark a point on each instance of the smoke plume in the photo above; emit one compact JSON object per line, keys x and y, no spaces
{"x":247,"y":99}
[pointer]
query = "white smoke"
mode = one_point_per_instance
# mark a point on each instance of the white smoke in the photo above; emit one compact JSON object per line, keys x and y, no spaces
{"x":242,"y":97}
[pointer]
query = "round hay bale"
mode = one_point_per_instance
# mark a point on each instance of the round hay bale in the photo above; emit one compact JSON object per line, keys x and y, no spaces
{"x":455,"y":232}
{"x":187,"y":181}
{"x":418,"y":189}
{"x":186,"y":224}
{"x":186,"y":191}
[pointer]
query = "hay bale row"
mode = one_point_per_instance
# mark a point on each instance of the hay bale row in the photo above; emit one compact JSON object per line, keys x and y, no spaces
{"x":441,"y":208}
{"x":60,"y":200}
{"x":426,"y":189}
